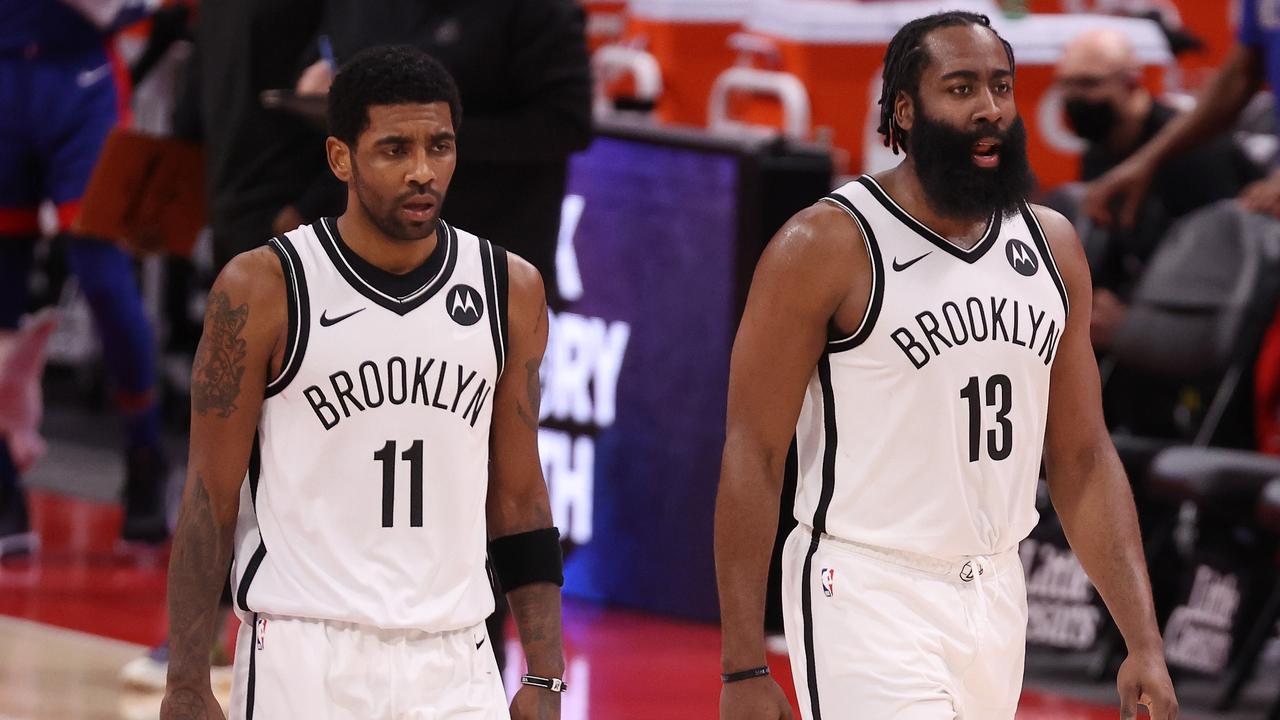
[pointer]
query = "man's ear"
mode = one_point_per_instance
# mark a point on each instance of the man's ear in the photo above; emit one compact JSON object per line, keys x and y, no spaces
{"x":340,"y":158}
{"x":904,"y":110}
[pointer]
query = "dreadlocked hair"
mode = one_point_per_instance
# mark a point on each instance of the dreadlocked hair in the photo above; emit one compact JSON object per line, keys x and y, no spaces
{"x":905,"y":59}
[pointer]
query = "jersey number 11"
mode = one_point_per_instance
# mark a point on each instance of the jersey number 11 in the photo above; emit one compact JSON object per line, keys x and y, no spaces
{"x":387,"y":456}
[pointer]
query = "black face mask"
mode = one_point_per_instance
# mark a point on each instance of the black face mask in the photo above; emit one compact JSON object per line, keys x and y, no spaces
{"x":1092,"y":121}
{"x":943,"y":156}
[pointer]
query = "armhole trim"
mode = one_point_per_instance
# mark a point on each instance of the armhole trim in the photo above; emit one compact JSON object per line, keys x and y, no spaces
{"x":493,"y":261}
{"x":299,"y":311}
{"x":874,"y":303}
{"x":1042,"y":244}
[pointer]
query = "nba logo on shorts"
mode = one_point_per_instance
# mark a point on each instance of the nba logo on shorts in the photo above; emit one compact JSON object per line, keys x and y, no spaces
{"x":262,"y":632}
{"x":828,"y":581}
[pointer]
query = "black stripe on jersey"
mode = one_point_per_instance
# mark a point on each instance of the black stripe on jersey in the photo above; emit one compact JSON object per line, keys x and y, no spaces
{"x":299,"y":312}
{"x":439,"y":267}
{"x":493,"y":263}
{"x":819,"y":526}
{"x":250,"y":570}
{"x":971,"y":255}
{"x":806,"y":610}
{"x":860,"y":335}
{"x":829,"y":446}
{"x":1042,"y":244}
{"x":251,"y":685}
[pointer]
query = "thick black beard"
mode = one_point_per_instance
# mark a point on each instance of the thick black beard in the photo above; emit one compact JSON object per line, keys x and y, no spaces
{"x":953,"y":185}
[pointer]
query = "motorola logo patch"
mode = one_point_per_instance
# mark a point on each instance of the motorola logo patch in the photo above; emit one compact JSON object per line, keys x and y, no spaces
{"x":1021,"y":257}
{"x":464,"y":305}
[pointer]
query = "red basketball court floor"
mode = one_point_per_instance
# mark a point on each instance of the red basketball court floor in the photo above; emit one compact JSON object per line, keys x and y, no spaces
{"x":622,"y":665}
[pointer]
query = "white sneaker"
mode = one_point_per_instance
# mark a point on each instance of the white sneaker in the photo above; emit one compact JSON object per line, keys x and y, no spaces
{"x":150,"y":672}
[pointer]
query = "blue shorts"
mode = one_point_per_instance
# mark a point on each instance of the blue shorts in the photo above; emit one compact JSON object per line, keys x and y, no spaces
{"x":55,"y":115}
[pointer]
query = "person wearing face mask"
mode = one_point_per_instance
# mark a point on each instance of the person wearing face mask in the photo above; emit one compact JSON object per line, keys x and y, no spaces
{"x":1107,"y":106}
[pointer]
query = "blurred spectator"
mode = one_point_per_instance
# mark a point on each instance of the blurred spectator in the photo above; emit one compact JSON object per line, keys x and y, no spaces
{"x":266,"y":171}
{"x":1109,"y":108}
{"x":62,"y":91}
{"x":1115,"y":198}
{"x":522,"y":68}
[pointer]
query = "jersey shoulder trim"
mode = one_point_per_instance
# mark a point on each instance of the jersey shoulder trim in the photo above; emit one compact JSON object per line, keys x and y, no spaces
{"x":970,"y":256}
{"x":874,"y":303}
{"x":493,"y":264}
{"x":1042,"y":244}
{"x":298,"y":303}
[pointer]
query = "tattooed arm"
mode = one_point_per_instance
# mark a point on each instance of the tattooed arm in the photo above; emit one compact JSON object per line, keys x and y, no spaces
{"x":243,"y":329}
{"x":517,"y":492}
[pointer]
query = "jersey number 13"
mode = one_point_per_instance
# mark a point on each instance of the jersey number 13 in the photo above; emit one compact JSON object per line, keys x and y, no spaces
{"x":999,"y":395}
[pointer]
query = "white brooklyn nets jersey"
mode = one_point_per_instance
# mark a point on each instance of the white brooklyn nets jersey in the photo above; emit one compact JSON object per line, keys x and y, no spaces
{"x":923,"y":430}
{"x":365,"y":496}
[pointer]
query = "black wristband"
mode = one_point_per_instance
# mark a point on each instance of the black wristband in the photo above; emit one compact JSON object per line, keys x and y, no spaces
{"x":741,"y":675}
{"x":555,"y":685}
{"x":527,"y":557}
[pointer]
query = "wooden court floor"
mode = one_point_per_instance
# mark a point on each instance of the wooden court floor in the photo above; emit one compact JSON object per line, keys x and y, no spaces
{"x":73,"y":615}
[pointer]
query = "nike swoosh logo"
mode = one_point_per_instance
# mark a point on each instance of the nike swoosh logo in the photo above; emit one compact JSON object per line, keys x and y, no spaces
{"x":327,"y":321}
{"x":89,"y":77}
{"x":480,"y":644}
{"x":899,"y":267}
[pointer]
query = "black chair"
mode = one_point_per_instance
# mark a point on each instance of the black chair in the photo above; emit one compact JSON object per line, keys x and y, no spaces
{"x":1196,"y":320}
{"x":1267,"y":502}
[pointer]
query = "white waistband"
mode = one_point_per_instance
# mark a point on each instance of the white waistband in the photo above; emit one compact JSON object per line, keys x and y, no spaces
{"x":962,"y":569}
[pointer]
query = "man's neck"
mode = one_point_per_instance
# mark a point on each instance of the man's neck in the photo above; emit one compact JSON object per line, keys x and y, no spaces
{"x":904,"y":186}
{"x":1127,"y":134}
{"x":374,"y":247}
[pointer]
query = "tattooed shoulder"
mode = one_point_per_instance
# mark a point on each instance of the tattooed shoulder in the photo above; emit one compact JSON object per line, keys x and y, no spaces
{"x":219,"y":365}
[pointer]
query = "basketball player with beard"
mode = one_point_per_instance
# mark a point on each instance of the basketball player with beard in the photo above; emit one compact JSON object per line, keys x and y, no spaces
{"x":363,"y":429}
{"x":934,"y":337}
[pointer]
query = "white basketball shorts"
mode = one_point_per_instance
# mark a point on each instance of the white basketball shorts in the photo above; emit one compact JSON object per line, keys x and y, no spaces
{"x":877,"y":634}
{"x":289,"y":667}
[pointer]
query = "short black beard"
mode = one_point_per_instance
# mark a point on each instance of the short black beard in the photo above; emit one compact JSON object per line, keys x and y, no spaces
{"x":953,"y":185}
{"x":387,"y":222}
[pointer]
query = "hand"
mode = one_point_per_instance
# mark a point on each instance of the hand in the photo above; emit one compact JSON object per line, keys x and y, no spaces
{"x":187,"y":703}
{"x":756,"y":699}
{"x":316,"y":79}
{"x":287,"y":219}
{"x":1263,"y":196}
{"x":532,"y":703}
{"x":1126,"y":183}
{"x":1144,"y":680}
{"x":1108,"y":314}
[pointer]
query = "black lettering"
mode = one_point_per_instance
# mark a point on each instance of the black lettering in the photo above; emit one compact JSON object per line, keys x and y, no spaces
{"x":435,"y":402}
{"x":1015,"y":340}
{"x":461,"y":386}
{"x":997,"y":319}
{"x":477,"y":401}
{"x":364,"y":384}
{"x":420,"y":380}
{"x":959,"y":321}
{"x":1050,"y":346}
{"x":315,"y":396}
{"x":1036,"y":322}
{"x":931,"y":332}
{"x":392,"y":374}
{"x":969,"y":305}
{"x":909,"y":345}
{"x":344,"y":394}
